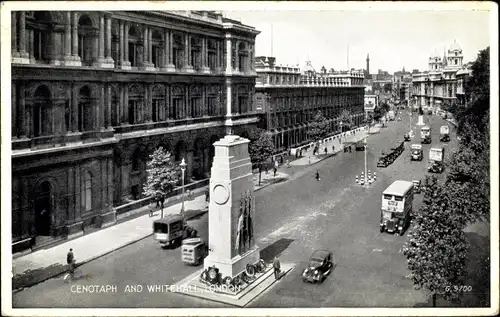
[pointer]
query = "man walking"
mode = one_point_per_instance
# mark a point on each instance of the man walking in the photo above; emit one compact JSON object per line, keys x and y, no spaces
{"x":277,"y":268}
{"x":70,"y":259}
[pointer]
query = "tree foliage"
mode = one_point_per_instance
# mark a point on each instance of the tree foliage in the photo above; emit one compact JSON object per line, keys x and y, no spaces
{"x":317,"y":129}
{"x":467,"y":184}
{"x":436,"y":247}
{"x":260,"y":149}
{"x":162,"y":173}
{"x":381,"y":110}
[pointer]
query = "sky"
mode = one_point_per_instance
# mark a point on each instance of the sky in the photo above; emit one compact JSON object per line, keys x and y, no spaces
{"x":393,"y":39}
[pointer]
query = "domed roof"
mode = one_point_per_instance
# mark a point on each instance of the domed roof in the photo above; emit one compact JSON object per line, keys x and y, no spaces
{"x":308,"y":68}
{"x":435,"y":55}
{"x":455,"y":47}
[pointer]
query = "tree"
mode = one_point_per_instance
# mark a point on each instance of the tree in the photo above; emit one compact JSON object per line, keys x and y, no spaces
{"x":318,"y":128}
{"x":346,"y":119}
{"x":260,"y":149}
{"x":436,"y":247}
{"x":381,"y":110}
{"x":467,"y":184}
{"x":163,"y":173}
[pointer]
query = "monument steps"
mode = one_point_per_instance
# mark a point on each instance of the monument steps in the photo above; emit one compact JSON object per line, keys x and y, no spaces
{"x":241,"y":299}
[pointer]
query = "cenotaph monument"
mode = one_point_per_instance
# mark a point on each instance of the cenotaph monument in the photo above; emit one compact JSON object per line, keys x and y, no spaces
{"x":231,"y":210}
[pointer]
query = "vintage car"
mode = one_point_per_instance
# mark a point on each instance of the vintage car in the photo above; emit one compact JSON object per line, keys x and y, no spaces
{"x":417,"y":186}
{"x":320,"y":265}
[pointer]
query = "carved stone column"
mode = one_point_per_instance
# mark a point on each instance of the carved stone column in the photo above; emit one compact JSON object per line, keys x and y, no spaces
{"x":187,"y":54}
{"x":126,"y":62}
{"x":145,"y":54}
{"x":74,"y":47}
{"x":237,"y":57}
{"x":229,"y":52}
{"x":108,"y":124}
{"x":109,"y":57}
{"x":67,"y":36}
{"x":169,"y":50}
{"x":121,"y":42}
{"x":13,"y":28}
{"x":150,"y":47}
{"x":101,"y":60}
{"x":22,"y":35}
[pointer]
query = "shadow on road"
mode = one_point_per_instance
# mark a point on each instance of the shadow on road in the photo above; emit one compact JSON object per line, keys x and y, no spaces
{"x":275,"y":249}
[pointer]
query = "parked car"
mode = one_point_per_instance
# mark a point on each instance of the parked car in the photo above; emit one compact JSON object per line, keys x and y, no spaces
{"x":320,"y":265}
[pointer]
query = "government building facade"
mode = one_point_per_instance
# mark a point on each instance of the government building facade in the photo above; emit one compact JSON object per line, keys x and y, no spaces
{"x":94,"y":93}
{"x":443,"y":82}
{"x":291,"y":97}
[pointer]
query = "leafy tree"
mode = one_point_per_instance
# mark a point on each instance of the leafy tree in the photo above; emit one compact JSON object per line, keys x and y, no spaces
{"x":467,"y":184}
{"x":381,"y":110}
{"x":346,"y":119}
{"x":436,"y":247}
{"x":163,"y":173}
{"x":260,"y":149}
{"x":317,"y":129}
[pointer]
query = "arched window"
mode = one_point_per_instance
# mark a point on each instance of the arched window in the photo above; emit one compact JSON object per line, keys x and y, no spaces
{"x":86,"y":35}
{"x":42,"y":37}
{"x":42,"y":122}
{"x":86,"y":192}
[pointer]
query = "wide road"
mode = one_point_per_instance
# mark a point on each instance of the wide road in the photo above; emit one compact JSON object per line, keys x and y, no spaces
{"x":293,"y":218}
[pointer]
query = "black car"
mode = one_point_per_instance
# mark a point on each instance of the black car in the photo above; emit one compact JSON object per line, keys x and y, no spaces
{"x":320,"y":265}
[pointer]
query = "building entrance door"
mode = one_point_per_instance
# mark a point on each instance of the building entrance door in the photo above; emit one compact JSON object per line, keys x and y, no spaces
{"x":43,"y":210}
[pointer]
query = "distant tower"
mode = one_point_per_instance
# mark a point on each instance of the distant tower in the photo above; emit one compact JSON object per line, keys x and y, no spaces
{"x":368,"y":64}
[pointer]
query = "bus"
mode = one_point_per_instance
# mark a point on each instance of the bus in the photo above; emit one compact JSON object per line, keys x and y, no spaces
{"x":397,"y":204}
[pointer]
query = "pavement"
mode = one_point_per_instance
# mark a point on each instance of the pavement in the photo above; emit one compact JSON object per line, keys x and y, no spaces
{"x":293,"y":218}
{"x":35,"y":267}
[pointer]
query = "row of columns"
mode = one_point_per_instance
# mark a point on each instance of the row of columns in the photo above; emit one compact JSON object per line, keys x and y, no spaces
{"x":18,"y":37}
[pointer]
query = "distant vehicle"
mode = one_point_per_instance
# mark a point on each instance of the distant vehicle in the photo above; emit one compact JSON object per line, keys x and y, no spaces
{"x":445,"y":133}
{"x":193,"y":251}
{"x":320,"y":265}
{"x":360,"y":146}
{"x":171,"y":230}
{"x":416,"y":152}
{"x":391,"y":116}
{"x":417,"y":186}
{"x":425,"y":135}
{"x":407,"y":136}
{"x":397,"y":204}
{"x":436,"y":158}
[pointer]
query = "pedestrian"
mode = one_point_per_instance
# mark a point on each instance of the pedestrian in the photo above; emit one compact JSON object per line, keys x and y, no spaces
{"x":151,"y":209}
{"x":317,"y":175}
{"x":333,"y":149}
{"x":326,"y":150}
{"x":281,"y":159}
{"x":287,"y":163}
{"x":207,"y":195}
{"x":300,"y":153}
{"x":350,"y":149}
{"x":309,"y":160}
{"x":275,"y":170}
{"x":162,"y":202}
{"x":276,"y":164}
{"x":70,"y":259}
{"x":276,"y":267}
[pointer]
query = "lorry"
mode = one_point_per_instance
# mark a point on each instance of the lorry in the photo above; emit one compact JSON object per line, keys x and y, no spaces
{"x":425,"y":135}
{"x":416,"y":152}
{"x":436,"y":158}
{"x":445,"y":133}
{"x":391,"y":116}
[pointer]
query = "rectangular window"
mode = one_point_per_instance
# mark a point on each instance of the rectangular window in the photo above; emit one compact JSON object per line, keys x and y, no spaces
{"x":388,"y":197}
{"x":398,"y":198}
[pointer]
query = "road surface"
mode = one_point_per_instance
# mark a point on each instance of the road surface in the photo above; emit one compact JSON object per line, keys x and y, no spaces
{"x":293,"y":218}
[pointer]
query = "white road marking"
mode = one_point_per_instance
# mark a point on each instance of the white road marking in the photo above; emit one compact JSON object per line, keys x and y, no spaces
{"x":377,"y":250}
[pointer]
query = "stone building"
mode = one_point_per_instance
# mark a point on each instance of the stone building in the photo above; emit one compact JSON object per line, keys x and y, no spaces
{"x":290,"y":98}
{"x":439,"y":84}
{"x":93,"y":93}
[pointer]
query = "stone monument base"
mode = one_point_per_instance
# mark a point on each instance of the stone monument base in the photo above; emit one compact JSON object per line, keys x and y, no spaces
{"x":231,"y":295}
{"x":236,"y":265}
{"x":420,"y":120}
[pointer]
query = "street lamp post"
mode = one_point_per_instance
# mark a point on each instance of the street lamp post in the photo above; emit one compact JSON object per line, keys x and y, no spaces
{"x":183,"y":169}
{"x":366,"y":149}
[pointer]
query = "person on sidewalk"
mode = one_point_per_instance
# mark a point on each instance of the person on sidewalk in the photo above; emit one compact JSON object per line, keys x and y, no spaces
{"x":276,"y":267}
{"x":317,"y":175}
{"x":162,"y":202}
{"x":326,"y":150}
{"x":70,"y":259}
{"x":275,"y":170}
{"x":333,"y":149}
{"x":288,"y":163}
{"x":207,"y":195}
{"x":309,"y":160}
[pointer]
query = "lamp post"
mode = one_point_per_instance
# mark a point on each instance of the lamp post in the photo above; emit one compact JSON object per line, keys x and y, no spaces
{"x":366,"y":149}
{"x":183,"y":169}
